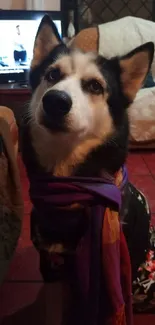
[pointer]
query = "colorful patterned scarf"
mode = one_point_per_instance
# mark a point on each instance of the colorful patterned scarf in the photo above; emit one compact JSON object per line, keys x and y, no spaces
{"x":101,"y":260}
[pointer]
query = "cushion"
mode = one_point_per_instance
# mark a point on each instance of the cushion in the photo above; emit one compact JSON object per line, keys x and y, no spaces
{"x":142,"y":116}
{"x":8,"y":115}
{"x":11,"y":203}
{"x":117,"y":37}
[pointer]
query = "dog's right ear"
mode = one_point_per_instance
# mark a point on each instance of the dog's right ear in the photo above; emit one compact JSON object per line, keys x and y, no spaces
{"x":46,"y":40}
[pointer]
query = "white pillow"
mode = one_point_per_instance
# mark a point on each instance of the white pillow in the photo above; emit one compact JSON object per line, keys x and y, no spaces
{"x":142,"y":116}
{"x":123,"y":35}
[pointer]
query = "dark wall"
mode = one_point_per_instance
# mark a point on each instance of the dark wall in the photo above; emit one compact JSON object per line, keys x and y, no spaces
{"x":92,"y":12}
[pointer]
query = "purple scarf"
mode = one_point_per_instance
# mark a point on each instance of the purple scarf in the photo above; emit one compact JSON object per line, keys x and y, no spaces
{"x":102,"y":263}
{"x":47,"y":191}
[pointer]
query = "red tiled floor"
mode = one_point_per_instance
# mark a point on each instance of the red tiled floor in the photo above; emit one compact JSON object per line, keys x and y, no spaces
{"x":23,"y":302}
{"x":136,"y":165}
{"x":27,"y":206}
{"x":19,"y":295}
{"x":144,"y":319}
{"x":146,"y":184}
{"x":149,"y":159}
{"x":141,"y":167}
{"x":24,"y":240}
{"x":153,"y":218}
{"x":21,"y":271}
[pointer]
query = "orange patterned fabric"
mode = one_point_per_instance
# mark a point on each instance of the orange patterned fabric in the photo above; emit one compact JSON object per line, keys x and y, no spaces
{"x":119,"y":318}
{"x":116,"y":266}
{"x":111,"y":237}
{"x":111,"y":226}
{"x":119,"y":178}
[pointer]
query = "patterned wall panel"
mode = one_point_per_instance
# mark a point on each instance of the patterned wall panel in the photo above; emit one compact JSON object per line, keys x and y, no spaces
{"x":92,"y":12}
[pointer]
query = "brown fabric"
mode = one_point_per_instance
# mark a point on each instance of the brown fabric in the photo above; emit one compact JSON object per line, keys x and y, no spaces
{"x":144,"y":145}
{"x":86,"y":40}
{"x":11,"y":203}
{"x":8,"y":115}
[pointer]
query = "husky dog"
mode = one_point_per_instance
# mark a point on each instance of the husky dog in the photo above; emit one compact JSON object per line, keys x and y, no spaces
{"x":78,"y":113}
{"x":78,"y":119}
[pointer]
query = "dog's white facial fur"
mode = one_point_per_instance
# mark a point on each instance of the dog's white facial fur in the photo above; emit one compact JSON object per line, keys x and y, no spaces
{"x":89,"y":122}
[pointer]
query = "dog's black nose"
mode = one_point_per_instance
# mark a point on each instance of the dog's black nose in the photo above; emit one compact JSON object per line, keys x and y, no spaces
{"x":56,"y":104}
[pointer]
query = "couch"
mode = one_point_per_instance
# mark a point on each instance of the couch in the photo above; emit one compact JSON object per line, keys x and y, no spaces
{"x":118,"y":38}
{"x":11,"y":203}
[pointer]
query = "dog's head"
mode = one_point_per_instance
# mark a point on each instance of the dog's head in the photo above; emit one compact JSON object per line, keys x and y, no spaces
{"x":79,"y":100}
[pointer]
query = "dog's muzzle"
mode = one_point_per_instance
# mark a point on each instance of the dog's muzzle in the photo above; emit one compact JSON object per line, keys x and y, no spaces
{"x":56,"y":105}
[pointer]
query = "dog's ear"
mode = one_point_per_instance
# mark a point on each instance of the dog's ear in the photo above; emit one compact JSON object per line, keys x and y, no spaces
{"x":134,"y":69}
{"x":46,"y":40}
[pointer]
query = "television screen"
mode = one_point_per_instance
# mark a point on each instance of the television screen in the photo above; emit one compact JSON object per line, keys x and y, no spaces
{"x":16,"y":44}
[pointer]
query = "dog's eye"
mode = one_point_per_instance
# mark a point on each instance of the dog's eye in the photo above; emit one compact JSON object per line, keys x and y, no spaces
{"x":54,"y":75}
{"x":93,"y":86}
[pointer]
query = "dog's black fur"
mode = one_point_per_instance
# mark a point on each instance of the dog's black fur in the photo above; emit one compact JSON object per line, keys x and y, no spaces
{"x":38,"y":72}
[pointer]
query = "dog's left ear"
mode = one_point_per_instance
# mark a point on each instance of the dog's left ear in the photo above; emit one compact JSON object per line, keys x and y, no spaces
{"x":46,"y":40}
{"x":134,"y":69}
